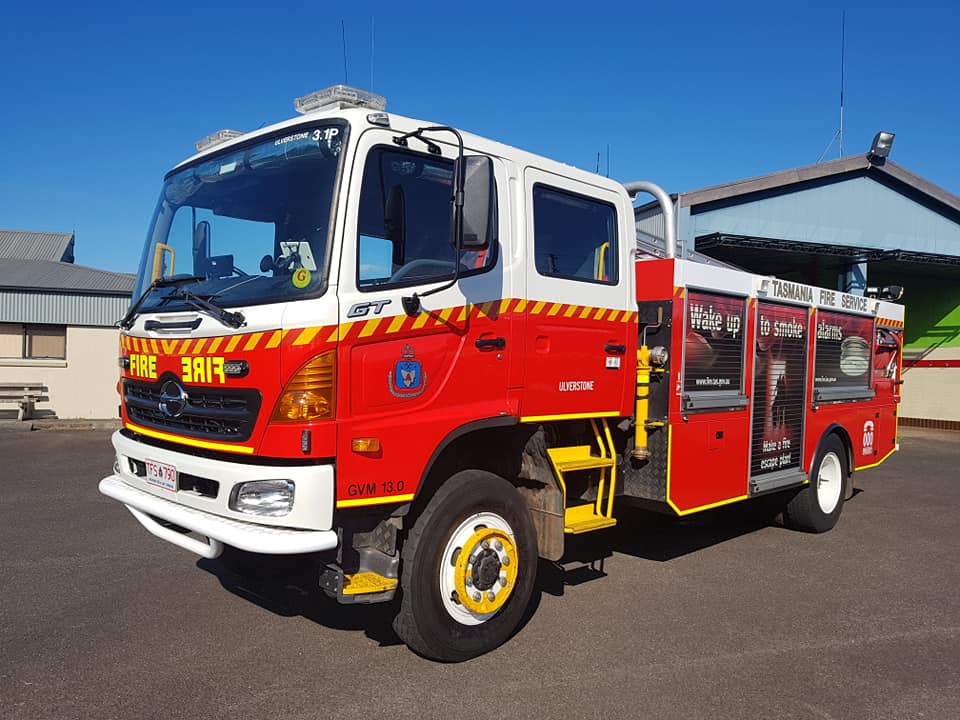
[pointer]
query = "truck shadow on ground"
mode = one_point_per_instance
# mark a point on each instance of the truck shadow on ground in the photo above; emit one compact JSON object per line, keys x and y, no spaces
{"x":660,"y":538}
{"x":290,"y":590}
{"x":287,"y":587}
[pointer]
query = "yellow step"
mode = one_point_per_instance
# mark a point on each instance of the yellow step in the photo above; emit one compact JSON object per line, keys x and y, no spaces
{"x":582,"y":518}
{"x":577,"y":457}
{"x":363,"y":583}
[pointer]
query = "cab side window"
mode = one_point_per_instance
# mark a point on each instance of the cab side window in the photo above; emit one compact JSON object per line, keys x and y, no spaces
{"x":404,"y":230}
{"x":575,"y":237}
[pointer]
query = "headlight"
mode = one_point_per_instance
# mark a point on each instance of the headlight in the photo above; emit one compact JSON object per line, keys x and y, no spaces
{"x":270,"y":498}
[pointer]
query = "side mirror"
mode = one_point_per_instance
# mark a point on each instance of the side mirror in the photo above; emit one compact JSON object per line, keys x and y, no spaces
{"x":479,"y":203}
{"x":201,"y":242}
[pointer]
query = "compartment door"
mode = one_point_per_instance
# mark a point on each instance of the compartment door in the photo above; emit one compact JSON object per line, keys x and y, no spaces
{"x":779,"y":389}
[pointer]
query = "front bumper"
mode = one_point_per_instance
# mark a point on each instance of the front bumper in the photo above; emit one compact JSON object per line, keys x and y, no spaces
{"x":307,"y":528}
{"x":218,"y":531}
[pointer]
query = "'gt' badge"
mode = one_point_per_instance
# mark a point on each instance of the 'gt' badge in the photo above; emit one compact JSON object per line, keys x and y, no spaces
{"x":407,"y":379}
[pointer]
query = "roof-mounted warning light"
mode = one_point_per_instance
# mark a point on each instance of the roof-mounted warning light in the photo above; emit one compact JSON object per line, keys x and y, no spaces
{"x":220,"y":136}
{"x":336,"y":97}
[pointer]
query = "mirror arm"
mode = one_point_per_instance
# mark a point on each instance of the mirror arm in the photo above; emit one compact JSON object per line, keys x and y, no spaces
{"x":411,"y":303}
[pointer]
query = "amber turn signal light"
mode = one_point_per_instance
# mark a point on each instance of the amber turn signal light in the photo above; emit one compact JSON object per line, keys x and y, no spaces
{"x":310,"y":393}
{"x":365,"y":445}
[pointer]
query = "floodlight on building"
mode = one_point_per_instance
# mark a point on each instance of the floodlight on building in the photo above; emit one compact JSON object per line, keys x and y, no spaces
{"x":880,"y":149}
{"x":887,"y":292}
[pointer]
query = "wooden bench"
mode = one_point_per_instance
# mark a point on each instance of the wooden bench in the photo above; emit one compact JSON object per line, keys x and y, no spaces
{"x":25,"y":395}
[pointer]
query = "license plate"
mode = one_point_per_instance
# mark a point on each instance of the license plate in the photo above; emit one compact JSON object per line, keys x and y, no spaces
{"x":162,"y":475}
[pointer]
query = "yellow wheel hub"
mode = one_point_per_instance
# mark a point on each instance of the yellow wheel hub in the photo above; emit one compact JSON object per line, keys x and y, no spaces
{"x":486,"y":571}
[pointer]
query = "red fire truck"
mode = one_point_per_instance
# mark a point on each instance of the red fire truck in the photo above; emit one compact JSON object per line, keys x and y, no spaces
{"x":422,"y":359}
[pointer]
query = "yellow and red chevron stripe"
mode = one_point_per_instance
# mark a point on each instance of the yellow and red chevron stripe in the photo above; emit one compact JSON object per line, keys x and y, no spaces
{"x":371,"y":328}
{"x":887,"y":322}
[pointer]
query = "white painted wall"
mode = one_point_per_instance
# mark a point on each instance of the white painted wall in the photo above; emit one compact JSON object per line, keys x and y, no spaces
{"x":82,"y":386}
{"x":931,"y":393}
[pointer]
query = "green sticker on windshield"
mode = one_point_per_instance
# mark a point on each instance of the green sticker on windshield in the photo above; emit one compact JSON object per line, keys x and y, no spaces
{"x":301,"y":278}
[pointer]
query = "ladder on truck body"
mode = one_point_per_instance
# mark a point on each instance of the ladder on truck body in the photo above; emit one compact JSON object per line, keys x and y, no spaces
{"x":589,"y":515}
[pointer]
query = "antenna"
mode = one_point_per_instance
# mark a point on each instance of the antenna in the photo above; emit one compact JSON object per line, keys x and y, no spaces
{"x":843,"y":42}
{"x":839,"y":133}
{"x":343,"y":37}
{"x":371,"y":51}
{"x":598,"y":162}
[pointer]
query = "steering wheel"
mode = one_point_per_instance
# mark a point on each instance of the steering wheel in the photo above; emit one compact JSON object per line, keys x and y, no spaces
{"x":424,"y":268}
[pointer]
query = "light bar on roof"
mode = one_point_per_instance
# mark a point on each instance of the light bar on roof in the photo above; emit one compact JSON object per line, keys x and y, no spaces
{"x":220,"y":136}
{"x":337,"y":96}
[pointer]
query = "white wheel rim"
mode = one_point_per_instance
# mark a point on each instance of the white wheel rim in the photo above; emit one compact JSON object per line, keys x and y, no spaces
{"x":829,"y":482}
{"x":448,"y":565}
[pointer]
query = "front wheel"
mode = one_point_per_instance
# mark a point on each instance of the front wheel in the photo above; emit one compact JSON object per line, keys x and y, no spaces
{"x":468,"y":569}
{"x":817,"y":507}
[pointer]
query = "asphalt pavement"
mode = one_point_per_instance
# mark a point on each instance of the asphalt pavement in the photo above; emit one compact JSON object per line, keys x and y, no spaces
{"x":723,"y":615}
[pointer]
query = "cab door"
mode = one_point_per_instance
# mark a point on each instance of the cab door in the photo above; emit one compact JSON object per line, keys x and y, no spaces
{"x":580,"y":322}
{"x":408,"y":381}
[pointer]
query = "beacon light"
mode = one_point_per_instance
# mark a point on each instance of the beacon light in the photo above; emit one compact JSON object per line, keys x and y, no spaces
{"x":217,"y":138}
{"x":338,"y":96}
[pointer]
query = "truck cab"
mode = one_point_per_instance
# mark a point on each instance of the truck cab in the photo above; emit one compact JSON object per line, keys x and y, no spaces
{"x":314,"y":323}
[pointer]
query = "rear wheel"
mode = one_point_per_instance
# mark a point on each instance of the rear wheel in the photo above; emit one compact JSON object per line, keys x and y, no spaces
{"x":468,"y":569}
{"x":817,"y":507}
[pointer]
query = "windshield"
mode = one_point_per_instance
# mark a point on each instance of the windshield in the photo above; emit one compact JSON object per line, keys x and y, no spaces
{"x":246,"y":227}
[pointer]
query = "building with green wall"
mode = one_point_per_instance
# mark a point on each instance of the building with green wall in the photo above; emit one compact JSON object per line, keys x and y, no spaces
{"x":854,"y":223}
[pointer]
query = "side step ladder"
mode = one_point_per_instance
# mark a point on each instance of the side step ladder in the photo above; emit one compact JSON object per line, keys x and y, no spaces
{"x":596,"y":515}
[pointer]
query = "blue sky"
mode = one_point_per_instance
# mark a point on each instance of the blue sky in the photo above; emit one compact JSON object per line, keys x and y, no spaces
{"x":98,"y":100}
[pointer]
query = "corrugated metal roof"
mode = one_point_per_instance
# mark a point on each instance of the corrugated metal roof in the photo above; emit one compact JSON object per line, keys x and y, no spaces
{"x":57,"y":308}
{"x":855,"y":165}
{"x":852,"y":165}
{"x":29,"y":245}
{"x":47,"y":275}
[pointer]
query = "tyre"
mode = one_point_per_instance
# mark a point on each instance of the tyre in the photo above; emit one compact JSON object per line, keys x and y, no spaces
{"x":468,"y":568}
{"x":817,"y":507}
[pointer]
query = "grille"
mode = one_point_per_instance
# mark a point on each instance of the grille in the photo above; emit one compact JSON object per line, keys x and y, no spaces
{"x":213,"y":413}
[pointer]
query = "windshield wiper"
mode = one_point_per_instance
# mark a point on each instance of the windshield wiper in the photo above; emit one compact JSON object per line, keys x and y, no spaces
{"x":230,"y":319}
{"x":127,"y":321}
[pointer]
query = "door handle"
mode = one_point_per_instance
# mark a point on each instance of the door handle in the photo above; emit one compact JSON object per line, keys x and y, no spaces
{"x":615,"y":349}
{"x":490,"y":343}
